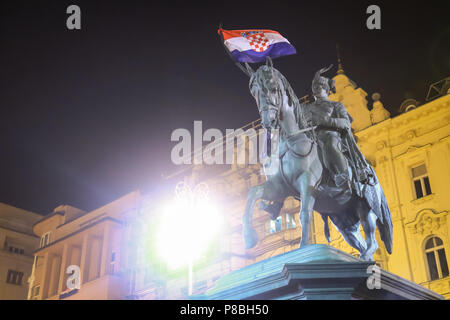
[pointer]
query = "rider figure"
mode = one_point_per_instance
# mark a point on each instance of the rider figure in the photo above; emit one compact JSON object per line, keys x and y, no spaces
{"x":333,"y":123}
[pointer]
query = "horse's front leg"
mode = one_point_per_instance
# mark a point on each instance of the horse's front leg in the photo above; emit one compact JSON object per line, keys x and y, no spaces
{"x":250,"y":236}
{"x":306,"y":185}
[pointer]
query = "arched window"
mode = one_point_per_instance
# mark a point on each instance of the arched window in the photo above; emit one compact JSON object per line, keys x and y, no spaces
{"x":436,"y":258}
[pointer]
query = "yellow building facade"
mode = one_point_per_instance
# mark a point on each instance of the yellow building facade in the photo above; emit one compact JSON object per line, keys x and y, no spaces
{"x":17,"y":244}
{"x":410,"y":154}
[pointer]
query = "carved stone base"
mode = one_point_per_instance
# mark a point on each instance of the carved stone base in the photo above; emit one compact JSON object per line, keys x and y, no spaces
{"x":315,"y":272}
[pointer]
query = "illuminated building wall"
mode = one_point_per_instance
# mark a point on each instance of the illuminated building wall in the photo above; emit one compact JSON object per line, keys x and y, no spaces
{"x":17,"y":243}
{"x":95,"y":241}
{"x":410,"y":153}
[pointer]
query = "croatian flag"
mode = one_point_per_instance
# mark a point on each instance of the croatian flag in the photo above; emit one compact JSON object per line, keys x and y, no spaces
{"x":255,"y":45}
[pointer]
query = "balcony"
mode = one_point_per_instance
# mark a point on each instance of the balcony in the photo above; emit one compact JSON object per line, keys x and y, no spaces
{"x":108,"y":287}
{"x":441,"y":286}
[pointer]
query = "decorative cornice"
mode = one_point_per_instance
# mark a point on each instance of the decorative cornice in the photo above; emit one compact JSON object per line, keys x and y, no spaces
{"x":381,"y":145}
{"x":427,"y":221}
{"x":440,"y":285}
{"x":405,"y":118}
{"x":422,"y":200}
{"x":411,"y":134}
{"x":412,"y":149}
{"x":79,"y":231}
{"x":48,"y":217}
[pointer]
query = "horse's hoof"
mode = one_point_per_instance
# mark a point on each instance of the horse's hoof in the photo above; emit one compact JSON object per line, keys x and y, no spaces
{"x":304,"y":244}
{"x":365,"y":257}
{"x":251,"y":238}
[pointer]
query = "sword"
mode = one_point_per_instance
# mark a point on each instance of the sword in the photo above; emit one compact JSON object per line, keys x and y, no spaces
{"x":308,"y":129}
{"x":355,"y":169}
{"x":303,"y":130}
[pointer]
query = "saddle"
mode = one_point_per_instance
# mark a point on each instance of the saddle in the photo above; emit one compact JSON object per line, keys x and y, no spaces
{"x":299,"y":147}
{"x":341,"y":194}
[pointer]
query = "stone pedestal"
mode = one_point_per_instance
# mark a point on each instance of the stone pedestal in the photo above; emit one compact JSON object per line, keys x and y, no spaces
{"x":315,"y":272}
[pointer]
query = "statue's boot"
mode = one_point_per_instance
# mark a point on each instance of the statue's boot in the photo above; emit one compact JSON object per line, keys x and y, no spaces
{"x":342,"y":180}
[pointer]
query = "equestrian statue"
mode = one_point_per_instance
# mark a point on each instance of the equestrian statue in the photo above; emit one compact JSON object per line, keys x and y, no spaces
{"x":318,"y":162}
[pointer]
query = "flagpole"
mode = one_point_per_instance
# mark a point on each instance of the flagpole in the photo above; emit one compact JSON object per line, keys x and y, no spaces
{"x":240,"y":66}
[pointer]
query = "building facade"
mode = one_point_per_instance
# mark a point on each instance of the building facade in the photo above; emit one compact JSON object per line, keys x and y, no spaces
{"x":410,"y":154}
{"x":95,"y":241}
{"x":17,"y":244}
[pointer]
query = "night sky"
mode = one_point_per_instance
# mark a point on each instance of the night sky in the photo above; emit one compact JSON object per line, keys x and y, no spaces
{"x":86,"y":116}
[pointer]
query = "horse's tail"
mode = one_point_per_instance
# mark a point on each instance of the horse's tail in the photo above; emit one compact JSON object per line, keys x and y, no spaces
{"x":385,"y":227}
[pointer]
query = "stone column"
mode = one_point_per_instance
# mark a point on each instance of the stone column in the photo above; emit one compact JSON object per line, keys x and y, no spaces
{"x":54,"y":275}
{"x":84,"y":265}
{"x":44,"y":281}
{"x":2,"y":241}
{"x":31,"y":278}
{"x":105,"y":260}
{"x":62,"y":272}
{"x":94,"y":254}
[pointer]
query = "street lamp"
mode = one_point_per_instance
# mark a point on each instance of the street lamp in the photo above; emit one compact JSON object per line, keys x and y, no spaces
{"x":189,"y":224}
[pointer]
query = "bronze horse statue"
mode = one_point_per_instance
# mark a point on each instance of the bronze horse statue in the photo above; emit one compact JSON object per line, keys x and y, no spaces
{"x":299,"y":173}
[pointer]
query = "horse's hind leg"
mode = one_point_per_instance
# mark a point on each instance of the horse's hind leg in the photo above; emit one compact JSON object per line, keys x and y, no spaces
{"x":353,"y":237}
{"x":351,"y":233}
{"x":255,"y":193}
{"x":306,"y":186}
{"x":369,"y":223}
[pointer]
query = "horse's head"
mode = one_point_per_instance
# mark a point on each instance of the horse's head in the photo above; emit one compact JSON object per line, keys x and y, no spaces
{"x":268,"y":90}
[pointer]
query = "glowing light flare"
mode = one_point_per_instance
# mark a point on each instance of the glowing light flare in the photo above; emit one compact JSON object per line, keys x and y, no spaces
{"x":187,"y":228}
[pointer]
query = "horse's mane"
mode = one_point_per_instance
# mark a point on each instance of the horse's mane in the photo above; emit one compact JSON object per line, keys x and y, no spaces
{"x":260,"y":77}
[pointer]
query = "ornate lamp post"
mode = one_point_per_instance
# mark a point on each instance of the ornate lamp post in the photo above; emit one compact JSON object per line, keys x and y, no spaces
{"x":189,"y":224}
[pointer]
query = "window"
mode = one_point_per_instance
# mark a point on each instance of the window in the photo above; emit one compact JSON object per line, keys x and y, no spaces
{"x":45,"y":239}
{"x":14,"y":277}
{"x":113,"y":262}
{"x":290,"y":221}
{"x":275,"y":225}
{"x":16,"y":250}
{"x":35,"y":292}
{"x":421,"y":181}
{"x":436,"y":258}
